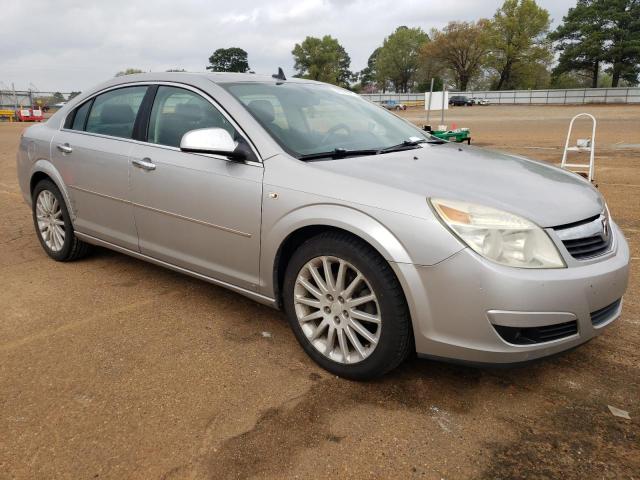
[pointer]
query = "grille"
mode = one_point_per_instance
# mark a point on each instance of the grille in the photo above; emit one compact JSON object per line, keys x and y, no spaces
{"x":586,"y":239}
{"x":581,"y":248}
{"x":531,"y":335}
{"x":604,"y":314}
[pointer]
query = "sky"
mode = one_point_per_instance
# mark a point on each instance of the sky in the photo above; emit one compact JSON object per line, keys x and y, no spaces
{"x":66,"y":45}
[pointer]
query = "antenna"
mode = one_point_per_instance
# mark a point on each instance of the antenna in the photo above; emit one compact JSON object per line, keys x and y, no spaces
{"x":279,"y":75}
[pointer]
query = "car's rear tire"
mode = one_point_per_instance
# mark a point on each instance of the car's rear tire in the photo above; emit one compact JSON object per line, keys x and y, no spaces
{"x":53,"y":224}
{"x":354,"y":321}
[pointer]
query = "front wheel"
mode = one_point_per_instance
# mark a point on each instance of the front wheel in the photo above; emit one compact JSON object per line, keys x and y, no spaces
{"x":346,"y":307}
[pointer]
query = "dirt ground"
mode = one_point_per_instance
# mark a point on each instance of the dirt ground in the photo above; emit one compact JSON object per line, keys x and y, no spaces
{"x":114,"y":368}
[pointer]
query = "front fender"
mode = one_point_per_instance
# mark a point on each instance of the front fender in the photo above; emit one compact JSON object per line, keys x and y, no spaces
{"x":330,"y":215}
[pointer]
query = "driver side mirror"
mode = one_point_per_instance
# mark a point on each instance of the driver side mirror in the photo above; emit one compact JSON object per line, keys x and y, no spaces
{"x":214,"y":141}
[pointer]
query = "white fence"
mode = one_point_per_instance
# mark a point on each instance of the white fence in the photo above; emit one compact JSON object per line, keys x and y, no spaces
{"x":573,"y":96}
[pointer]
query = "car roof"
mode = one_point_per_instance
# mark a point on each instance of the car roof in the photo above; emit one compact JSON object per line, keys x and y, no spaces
{"x":196,"y":79}
{"x":215,"y":77}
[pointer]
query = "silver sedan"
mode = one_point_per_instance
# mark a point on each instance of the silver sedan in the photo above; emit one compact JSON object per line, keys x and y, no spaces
{"x":375,"y":238}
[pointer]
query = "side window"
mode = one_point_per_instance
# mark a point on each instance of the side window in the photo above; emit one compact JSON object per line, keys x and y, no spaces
{"x":176,"y":111}
{"x":114,"y":113}
{"x":80,"y":116}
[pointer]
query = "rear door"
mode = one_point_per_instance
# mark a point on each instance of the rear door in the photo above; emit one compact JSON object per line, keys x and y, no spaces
{"x":92,"y":154}
{"x":199,"y":212}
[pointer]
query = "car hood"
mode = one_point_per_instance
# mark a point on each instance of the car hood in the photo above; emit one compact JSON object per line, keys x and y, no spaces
{"x":540,"y":192}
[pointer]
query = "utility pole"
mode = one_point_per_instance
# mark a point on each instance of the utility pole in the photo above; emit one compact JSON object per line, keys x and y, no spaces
{"x":429,"y":105}
{"x":444,"y":89}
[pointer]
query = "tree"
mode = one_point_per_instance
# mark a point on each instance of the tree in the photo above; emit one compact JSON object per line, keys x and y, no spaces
{"x":322,"y":59}
{"x":73,"y":95}
{"x":176,"y":70}
{"x":229,"y":60}
{"x":517,"y":36}
{"x":398,"y":58}
{"x":460,"y":48}
{"x":580,"y":40}
{"x":57,"y":97}
{"x":622,"y":31}
{"x":368,"y":75}
{"x":129,"y":71}
{"x":598,"y":32}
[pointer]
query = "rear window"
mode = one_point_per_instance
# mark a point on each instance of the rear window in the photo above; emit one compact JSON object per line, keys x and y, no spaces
{"x":114,"y":113}
{"x":80,"y":116}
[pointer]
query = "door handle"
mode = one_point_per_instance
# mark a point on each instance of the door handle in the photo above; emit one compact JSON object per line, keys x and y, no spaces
{"x":145,"y":164}
{"x":65,"y":148}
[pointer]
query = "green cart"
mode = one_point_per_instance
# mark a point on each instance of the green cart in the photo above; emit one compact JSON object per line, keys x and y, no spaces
{"x":458,"y":135}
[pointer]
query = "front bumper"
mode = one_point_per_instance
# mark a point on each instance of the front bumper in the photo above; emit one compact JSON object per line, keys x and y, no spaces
{"x":454,"y":303}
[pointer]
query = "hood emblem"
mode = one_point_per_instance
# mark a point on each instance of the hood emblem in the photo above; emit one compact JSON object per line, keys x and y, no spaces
{"x":605,"y":228}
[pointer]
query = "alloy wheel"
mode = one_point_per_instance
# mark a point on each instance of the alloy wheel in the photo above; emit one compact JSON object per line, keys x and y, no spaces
{"x":337,"y":309}
{"x":50,"y":221}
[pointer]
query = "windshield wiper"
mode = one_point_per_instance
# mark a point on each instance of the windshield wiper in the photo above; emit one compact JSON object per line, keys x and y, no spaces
{"x":408,"y":145}
{"x":338,"y":153}
{"x":342,"y":152}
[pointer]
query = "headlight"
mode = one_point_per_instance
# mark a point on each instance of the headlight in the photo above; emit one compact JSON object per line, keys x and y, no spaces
{"x":499,"y":236}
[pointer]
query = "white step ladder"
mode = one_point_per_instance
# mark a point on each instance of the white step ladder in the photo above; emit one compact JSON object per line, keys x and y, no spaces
{"x":582,"y":145}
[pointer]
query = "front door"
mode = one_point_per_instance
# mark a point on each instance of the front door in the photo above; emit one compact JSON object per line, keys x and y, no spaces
{"x":199,"y":212}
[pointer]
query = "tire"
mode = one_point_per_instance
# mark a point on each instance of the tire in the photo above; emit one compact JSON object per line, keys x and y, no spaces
{"x":70,"y":248}
{"x":391,"y":335}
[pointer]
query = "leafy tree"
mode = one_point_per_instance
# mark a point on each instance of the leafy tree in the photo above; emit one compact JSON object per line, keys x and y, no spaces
{"x":460,"y":48}
{"x":622,"y":31}
{"x":580,"y":40}
{"x":57,"y":97}
{"x":398,"y":58}
{"x":518,"y":35}
{"x":576,"y":79}
{"x":579,"y":79}
{"x":424,"y":85}
{"x":368,"y":75}
{"x":229,"y":60}
{"x":322,"y":59}
{"x":431,"y":67}
{"x":598,"y":32}
{"x":129,"y":71}
{"x":532,"y":75}
{"x":73,"y":95}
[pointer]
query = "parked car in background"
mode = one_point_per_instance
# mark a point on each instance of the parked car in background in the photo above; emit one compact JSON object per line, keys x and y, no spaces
{"x":460,"y":101}
{"x":376,"y":238}
{"x":480,"y":101}
{"x":393,"y":105}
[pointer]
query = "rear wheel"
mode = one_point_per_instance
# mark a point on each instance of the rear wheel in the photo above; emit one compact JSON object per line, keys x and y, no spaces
{"x":346,"y":307}
{"x":53,"y":224}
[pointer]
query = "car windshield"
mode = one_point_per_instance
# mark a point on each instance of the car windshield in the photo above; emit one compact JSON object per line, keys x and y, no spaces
{"x":309,"y":119}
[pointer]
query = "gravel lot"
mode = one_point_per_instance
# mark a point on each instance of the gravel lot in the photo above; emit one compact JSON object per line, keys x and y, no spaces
{"x":114,"y":368}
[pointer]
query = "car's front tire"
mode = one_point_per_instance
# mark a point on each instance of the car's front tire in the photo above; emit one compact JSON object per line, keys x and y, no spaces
{"x":346,"y":307}
{"x":53,"y":224}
